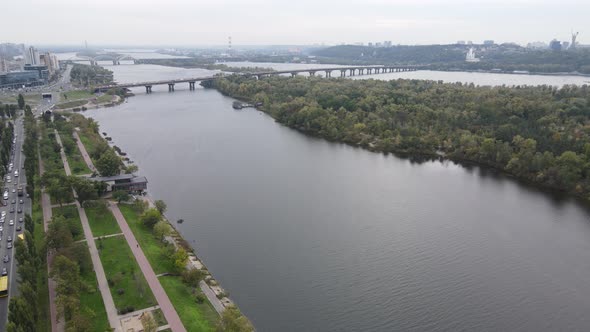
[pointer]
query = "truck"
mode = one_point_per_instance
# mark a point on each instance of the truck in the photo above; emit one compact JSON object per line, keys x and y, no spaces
{"x":20,"y":190}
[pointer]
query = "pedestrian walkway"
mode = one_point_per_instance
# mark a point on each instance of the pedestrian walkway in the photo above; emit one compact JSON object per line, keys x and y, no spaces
{"x":83,"y":151}
{"x":163,"y":301}
{"x":56,"y":326}
{"x":210,"y":294}
{"x":103,"y":285}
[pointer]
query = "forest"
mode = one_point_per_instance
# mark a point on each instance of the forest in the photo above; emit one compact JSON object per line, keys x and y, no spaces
{"x":539,"y":134}
{"x":507,"y":57}
{"x":85,"y":75}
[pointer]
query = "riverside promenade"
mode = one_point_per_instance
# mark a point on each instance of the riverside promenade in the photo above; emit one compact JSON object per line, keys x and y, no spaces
{"x":174,"y":322}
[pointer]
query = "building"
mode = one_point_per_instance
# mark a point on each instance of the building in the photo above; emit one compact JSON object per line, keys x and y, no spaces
{"x":555,"y":45}
{"x":17,"y":79}
{"x":387,"y":43}
{"x":43,"y":72}
{"x":488,"y":42}
{"x":126,"y":182}
{"x":470,"y":57}
{"x":3,"y":65}
{"x":32,"y":56}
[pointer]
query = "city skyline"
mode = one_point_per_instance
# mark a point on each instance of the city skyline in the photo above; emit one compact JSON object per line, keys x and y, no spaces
{"x":264,"y":22}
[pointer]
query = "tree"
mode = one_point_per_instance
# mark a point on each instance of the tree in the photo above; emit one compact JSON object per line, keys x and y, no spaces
{"x":148,"y":322}
{"x":161,"y":229}
{"x":21,"y":101}
{"x":58,"y":234}
{"x":150,"y":217}
{"x":86,"y":189}
{"x":180,"y":258}
{"x":192,"y":277}
{"x":21,"y":314}
{"x":66,"y":273}
{"x":121,"y":196}
{"x":130,"y":169}
{"x":160,"y":206}
{"x":108,"y":164}
{"x":232,"y":320}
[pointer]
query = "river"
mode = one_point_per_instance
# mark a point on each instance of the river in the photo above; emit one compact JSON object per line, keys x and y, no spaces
{"x":308,"y":235}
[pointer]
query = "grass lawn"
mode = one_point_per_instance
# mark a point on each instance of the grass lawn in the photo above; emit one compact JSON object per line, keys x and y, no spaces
{"x":71,"y":104}
{"x":77,"y":164}
{"x":153,"y":249}
{"x":105,"y":98}
{"x":102,"y":222}
{"x":91,"y":301}
{"x":76,"y":94}
{"x":70,"y":212}
{"x":124,"y":275}
{"x":194,"y":316}
{"x":30,"y":99}
{"x":88,"y":143}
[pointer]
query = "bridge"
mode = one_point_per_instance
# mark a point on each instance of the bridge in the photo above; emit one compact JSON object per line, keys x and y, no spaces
{"x":115,"y":58}
{"x":352,"y":71}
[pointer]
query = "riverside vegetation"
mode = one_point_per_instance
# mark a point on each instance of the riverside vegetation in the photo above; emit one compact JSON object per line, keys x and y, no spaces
{"x":539,"y":134}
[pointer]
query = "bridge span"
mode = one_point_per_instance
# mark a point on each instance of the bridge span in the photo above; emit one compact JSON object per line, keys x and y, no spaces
{"x":352,"y":71}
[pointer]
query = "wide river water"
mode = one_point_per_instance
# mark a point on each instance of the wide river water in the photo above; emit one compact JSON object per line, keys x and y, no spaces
{"x":308,"y":235}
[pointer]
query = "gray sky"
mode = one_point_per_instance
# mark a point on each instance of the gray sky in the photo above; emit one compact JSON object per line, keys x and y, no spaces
{"x":210,"y":22}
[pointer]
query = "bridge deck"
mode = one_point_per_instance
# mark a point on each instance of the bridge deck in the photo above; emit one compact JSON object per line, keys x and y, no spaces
{"x":278,"y":72}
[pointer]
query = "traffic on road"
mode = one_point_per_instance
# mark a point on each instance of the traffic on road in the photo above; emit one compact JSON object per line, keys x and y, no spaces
{"x":15,"y":203}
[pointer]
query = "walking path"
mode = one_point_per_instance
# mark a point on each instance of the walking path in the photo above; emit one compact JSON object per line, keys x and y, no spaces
{"x":212,"y":297}
{"x":101,"y":278}
{"x":83,"y":151}
{"x":56,"y":326}
{"x":139,"y":312}
{"x":167,"y":308}
{"x":105,"y":236}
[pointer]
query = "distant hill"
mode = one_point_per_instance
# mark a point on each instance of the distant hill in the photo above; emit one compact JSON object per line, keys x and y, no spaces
{"x":507,"y":57}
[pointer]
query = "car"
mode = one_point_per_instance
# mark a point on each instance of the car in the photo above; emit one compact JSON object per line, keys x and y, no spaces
{"x":18,"y":229}
{"x":11,"y":209}
{"x":20,"y":219}
{"x":13,"y":201}
{"x":4,"y":272}
{"x":13,"y":190}
{"x":9,"y":239}
{"x":6,"y":259}
{"x":3,"y":213}
{"x":20,"y":210}
{"x":9,"y":245}
{"x":8,"y":181}
{"x":23,"y":166}
{"x":20,"y":201}
{"x":11,"y":222}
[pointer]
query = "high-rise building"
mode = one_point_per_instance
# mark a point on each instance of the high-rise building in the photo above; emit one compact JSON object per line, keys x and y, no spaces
{"x":32,"y":56}
{"x":3,"y":65}
{"x":488,"y":42}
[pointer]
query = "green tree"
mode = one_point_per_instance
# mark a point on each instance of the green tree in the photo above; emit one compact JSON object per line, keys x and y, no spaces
{"x":161,"y":229}
{"x":58,"y":234}
{"x":108,"y":164}
{"x":86,"y":189}
{"x":121,"y":196}
{"x":160,"y":206}
{"x":232,"y":320}
{"x":150,"y":217}
{"x":21,"y":101}
{"x":180,"y":258}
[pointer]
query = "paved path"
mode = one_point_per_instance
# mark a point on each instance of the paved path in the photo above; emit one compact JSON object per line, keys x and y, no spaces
{"x":101,"y":278}
{"x":163,"y":301}
{"x":83,"y":152}
{"x":212,"y":297}
{"x":105,"y":236}
{"x":56,"y":326}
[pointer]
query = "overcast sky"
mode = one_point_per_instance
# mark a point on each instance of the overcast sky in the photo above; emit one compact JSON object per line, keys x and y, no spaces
{"x":260,"y":22}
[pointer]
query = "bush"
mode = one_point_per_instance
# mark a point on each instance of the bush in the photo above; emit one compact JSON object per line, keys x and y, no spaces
{"x":192,"y":277}
{"x":200,"y":298}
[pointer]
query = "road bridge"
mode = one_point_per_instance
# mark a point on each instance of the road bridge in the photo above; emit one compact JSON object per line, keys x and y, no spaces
{"x":344,"y":72}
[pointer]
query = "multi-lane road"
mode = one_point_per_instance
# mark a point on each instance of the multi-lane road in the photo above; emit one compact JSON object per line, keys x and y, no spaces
{"x":17,"y":159}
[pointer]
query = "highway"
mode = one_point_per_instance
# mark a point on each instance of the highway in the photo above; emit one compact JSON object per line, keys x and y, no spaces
{"x":17,"y":159}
